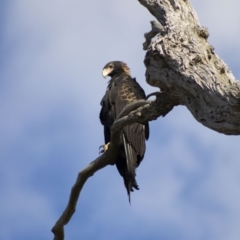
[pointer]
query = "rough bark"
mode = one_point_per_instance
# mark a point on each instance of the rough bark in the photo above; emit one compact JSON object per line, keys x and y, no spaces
{"x":181,"y":61}
{"x":184,"y":66}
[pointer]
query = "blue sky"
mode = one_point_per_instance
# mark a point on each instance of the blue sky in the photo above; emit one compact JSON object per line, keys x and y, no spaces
{"x":51,"y":55}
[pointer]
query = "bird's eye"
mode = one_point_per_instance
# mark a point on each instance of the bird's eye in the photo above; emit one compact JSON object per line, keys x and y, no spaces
{"x":110,"y":66}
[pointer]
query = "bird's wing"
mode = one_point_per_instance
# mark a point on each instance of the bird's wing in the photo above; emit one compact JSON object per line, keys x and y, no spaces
{"x":127,"y":91}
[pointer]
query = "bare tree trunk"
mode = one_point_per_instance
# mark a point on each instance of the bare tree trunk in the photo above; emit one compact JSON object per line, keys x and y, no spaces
{"x":184,"y":66}
{"x":183,"y":63}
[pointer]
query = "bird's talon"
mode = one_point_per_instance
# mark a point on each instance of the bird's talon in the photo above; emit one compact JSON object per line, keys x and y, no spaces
{"x":103,"y":148}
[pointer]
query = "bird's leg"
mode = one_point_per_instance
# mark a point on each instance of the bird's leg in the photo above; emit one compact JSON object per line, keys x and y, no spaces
{"x":104,"y":148}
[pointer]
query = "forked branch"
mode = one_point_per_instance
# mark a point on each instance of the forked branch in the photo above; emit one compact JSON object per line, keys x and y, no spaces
{"x":185,"y":67}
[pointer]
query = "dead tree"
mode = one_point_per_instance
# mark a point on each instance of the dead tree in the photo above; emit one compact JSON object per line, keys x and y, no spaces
{"x":188,"y":72}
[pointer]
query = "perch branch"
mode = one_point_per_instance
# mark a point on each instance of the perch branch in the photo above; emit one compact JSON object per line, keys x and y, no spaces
{"x":133,"y":112}
{"x":184,"y":66}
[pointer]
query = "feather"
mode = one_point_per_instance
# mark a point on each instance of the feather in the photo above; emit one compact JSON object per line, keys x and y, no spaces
{"x":123,"y":89}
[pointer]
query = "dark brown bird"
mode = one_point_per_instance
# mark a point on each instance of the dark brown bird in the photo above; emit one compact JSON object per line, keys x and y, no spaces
{"x":123,"y":89}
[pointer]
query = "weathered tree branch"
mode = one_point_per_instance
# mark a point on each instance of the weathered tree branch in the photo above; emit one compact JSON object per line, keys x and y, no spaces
{"x":183,"y":63}
{"x":184,"y":66}
{"x":140,"y":111}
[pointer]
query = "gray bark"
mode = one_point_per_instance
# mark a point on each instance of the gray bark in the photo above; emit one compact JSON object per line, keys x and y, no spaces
{"x":184,"y":66}
{"x":183,"y":63}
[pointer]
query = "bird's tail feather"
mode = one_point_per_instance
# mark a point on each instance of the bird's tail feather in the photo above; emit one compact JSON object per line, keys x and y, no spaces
{"x":129,"y":171}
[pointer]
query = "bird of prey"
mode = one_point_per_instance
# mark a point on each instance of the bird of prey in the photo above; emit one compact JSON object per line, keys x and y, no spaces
{"x":122,"y":89}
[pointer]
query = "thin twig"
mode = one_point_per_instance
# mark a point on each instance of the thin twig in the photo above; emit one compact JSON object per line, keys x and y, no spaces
{"x":156,"y":29}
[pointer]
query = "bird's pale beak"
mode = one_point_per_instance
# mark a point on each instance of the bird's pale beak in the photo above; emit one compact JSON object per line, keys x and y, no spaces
{"x":105,"y":72}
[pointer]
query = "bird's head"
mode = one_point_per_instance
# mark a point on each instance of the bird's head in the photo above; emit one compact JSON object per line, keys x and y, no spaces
{"x":115,"y":67}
